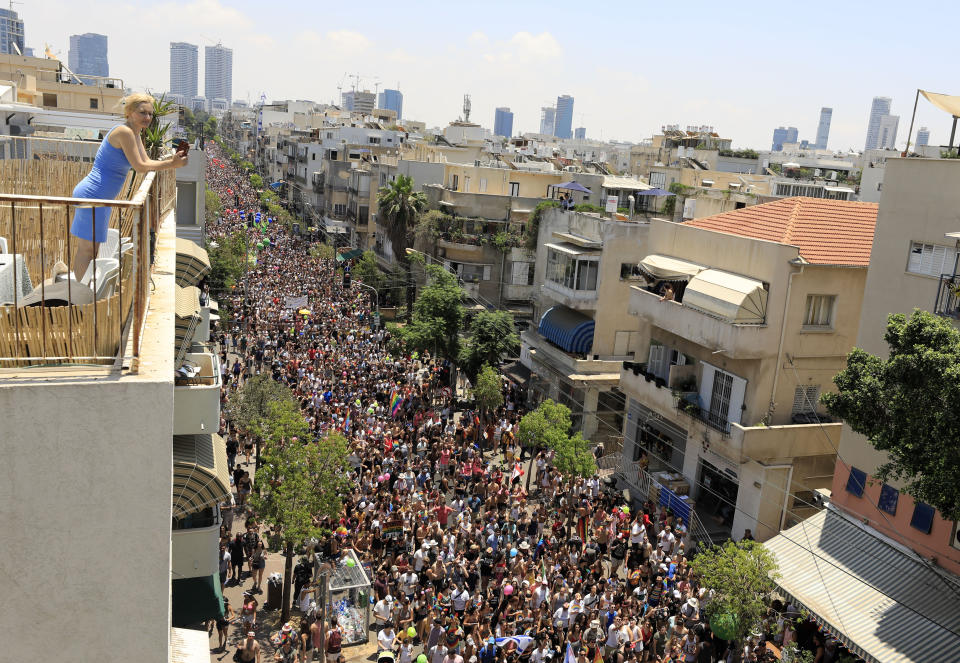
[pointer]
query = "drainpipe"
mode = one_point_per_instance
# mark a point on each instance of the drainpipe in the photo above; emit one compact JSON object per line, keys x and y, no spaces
{"x":783,"y":332}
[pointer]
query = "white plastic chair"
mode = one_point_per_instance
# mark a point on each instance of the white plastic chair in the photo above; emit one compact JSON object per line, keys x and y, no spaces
{"x":111,"y":247}
{"x":3,"y":244}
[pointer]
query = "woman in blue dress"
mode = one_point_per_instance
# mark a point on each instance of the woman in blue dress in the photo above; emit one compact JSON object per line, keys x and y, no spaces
{"x":122,"y":149}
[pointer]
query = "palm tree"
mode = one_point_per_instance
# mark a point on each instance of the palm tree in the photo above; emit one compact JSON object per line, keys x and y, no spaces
{"x":399,"y":206}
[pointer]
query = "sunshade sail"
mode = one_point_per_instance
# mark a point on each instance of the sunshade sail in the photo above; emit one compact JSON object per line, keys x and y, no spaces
{"x":731,"y":297}
{"x":667,"y":268}
{"x":945,"y":102}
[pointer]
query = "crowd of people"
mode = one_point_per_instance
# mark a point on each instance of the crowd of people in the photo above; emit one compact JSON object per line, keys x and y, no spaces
{"x":480,"y":551}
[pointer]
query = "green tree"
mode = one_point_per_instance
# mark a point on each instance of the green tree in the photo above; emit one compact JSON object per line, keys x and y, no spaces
{"x":300,"y":480}
{"x":256,"y":181}
{"x":488,"y":389}
{"x":228,"y":256}
{"x":437,"y":315}
{"x":323,"y":251}
{"x":906,"y":406}
{"x":540,"y":427}
{"x":367,"y":270}
{"x":572,"y":454}
{"x":250,"y":408}
{"x":213,"y":204}
{"x":399,"y":206}
{"x":491,"y":337}
{"x":741,"y":576}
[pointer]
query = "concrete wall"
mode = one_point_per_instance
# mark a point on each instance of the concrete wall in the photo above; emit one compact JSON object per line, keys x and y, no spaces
{"x":195,"y":552}
{"x":85,"y":500}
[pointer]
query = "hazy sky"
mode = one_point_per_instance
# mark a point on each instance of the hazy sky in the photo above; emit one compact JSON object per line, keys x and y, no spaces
{"x":743,"y":67}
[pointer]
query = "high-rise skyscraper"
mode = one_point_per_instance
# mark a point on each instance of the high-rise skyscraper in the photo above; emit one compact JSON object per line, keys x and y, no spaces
{"x":878,"y":109}
{"x":564,"y":124}
{"x":580,"y":133}
{"x":218,"y":73}
{"x":782,"y":135}
{"x":11,"y":32}
{"x":887,"y":138}
{"x":503,"y":122}
{"x":184,"y":65}
{"x":88,"y":55}
{"x":923,"y":136}
{"x":823,"y":128}
{"x":548,"y":120}
{"x":391,"y":100}
{"x":361,"y":102}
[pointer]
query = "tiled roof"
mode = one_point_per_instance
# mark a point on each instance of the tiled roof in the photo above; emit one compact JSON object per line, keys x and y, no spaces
{"x":827,"y":232}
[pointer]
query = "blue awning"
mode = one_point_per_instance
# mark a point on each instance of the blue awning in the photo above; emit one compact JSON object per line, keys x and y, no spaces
{"x":569,"y":329}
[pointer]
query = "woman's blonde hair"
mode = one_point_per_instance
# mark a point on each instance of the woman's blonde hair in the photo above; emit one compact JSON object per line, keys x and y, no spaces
{"x":131,"y":101}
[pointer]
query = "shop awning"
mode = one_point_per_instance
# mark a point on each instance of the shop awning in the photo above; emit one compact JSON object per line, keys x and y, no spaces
{"x":187,"y":316}
{"x":629,"y":183}
{"x":731,"y":297}
{"x":196,"y":600}
{"x":516,"y":372}
{"x":201,"y":477}
{"x":349,"y":254}
{"x":569,"y":329}
{"x":189,"y":646}
{"x":881,"y":600}
{"x":571,"y":249}
{"x":667,"y":268}
{"x":193,"y":263}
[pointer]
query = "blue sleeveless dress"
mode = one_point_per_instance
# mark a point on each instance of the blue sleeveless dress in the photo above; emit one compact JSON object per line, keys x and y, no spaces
{"x":104,"y":182}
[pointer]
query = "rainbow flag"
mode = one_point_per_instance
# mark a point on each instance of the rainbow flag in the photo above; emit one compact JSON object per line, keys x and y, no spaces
{"x":346,"y":424}
{"x":395,"y":401}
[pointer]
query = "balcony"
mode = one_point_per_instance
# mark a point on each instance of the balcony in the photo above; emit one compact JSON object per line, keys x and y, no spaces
{"x":194,"y":545}
{"x":948,"y":297}
{"x":738,"y":341}
{"x":196,"y":400}
{"x":579,"y":300}
{"x":569,"y":364}
{"x":48,"y":316}
{"x":518,"y":292}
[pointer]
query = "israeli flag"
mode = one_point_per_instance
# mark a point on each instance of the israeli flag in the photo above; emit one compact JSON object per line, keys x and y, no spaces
{"x":569,"y":657}
{"x":522,"y":641}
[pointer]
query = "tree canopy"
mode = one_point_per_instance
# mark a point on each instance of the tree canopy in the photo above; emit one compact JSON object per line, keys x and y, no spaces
{"x":741,"y":576}
{"x":906,"y":406}
{"x":488,"y":389}
{"x":399,"y":206}
{"x":548,"y":427}
{"x":437,"y":315}
{"x":227,"y":260}
{"x":491,"y":337}
{"x":250,"y":408}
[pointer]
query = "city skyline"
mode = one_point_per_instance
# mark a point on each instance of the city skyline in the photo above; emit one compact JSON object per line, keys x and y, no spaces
{"x":616,"y":94}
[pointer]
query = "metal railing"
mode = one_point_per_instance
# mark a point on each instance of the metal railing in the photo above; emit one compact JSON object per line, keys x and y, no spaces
{"x":948,"y":296}
{"x":62,"y":321}
{"x":714,"y":420}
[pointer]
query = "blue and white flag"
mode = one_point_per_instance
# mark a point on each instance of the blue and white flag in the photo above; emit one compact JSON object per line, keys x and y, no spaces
{"x":522,"y":641}
{"x":569,"y":657}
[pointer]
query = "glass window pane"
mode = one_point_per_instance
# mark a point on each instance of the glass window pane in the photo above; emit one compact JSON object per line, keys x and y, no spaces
{"x":922,"y":517}
{"x":856,"y":481}
{"x":889,"y":496}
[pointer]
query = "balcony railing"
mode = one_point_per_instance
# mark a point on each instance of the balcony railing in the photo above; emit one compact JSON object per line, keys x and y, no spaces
{"x":948,"y":296}
{"x":49,"y":316}
{"x":714,"y":420}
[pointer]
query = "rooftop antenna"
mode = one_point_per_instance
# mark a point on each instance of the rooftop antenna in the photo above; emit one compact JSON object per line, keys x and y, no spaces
{"x":466,"y":108}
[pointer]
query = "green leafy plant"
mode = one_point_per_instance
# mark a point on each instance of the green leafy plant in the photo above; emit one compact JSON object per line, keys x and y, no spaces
{"x":532,"y":228}
{"x":155,"y":135}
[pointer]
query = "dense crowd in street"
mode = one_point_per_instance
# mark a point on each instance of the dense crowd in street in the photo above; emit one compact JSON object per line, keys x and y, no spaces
{"x":479,"y":550}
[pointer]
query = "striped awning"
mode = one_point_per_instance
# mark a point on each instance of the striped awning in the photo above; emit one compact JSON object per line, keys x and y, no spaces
{"x":193,"y":263}
{"x":349,"y":254}
{"x":569,"y":329}
{"x":201,"y":477}
{"x":880,"y":600}
{"x":187,"y":305}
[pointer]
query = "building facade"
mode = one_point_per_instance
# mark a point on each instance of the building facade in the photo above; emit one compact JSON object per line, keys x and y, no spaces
{"x":88,"y":54}
{"x":823,"y":128}
{"x":580,"y":133}
{"x":564,"y":122}
{"x":923,"y":137}
{"x":360,"y":102}
{"x":11,"y":33}
{"x":783,"y":135}
{"x":218,"y":73}
{"x":392,"y":100}
{"x":503,"y":122}
{"x":722,"y":398}
{"x":887,"y":135}
{"x":184,"y":69}
{"x":879,"y":108}
{"x":548,"y":120}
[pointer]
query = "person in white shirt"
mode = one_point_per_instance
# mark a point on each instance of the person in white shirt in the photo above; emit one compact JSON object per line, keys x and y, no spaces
{"x":408,"y":583}
{"x":460,"y":598}
{"x":561,"y":618}
{"x":538,"y":654}
{"x":383,"y":610}
{"x":386,"y":638}
{"x":540,"y":594}
{"x":418,"y":560}
{"x":667,"y":540}
{"x":638,"y":533}
{"x":615,"y":636}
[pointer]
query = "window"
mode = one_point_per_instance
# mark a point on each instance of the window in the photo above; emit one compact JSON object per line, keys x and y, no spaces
{"x":339,"y":209}
{"x":856,"y":481}
{"x":929,"y":259}
{"x":474,"y":273}
{"x":454,"y":182}
{"x":922,"y":517}
{"x":720,"y":398}
{"x":483,"y":185}
{"x":889,"y":496}
{"x":658,"y":180}
{"x":522,"y":273}
{"x":94,"y":103}
{"x":819,"y":312}
{"x":574,"y":272}
{"x":49,"y":99}
{"x":514,"y":189}
{"x":313,"y":156}
{"x":374,"y":140}
{"x":466,"y":184}
{"x":329,"y":134}
{"x":805,"y":399}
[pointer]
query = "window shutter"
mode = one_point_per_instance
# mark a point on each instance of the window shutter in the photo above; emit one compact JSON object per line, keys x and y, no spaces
{"x":486,"y":272}
{"x":706,"y":384}
{"x":737,"y":393}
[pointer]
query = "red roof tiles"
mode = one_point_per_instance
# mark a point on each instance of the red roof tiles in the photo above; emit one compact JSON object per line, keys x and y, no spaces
{"x":827,"y":232}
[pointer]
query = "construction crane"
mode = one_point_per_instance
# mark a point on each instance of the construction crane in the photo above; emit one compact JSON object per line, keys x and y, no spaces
{"x":466,"y":108}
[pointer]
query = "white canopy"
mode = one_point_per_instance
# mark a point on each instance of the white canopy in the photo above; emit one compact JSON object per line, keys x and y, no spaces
{"x":667,"y":268}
